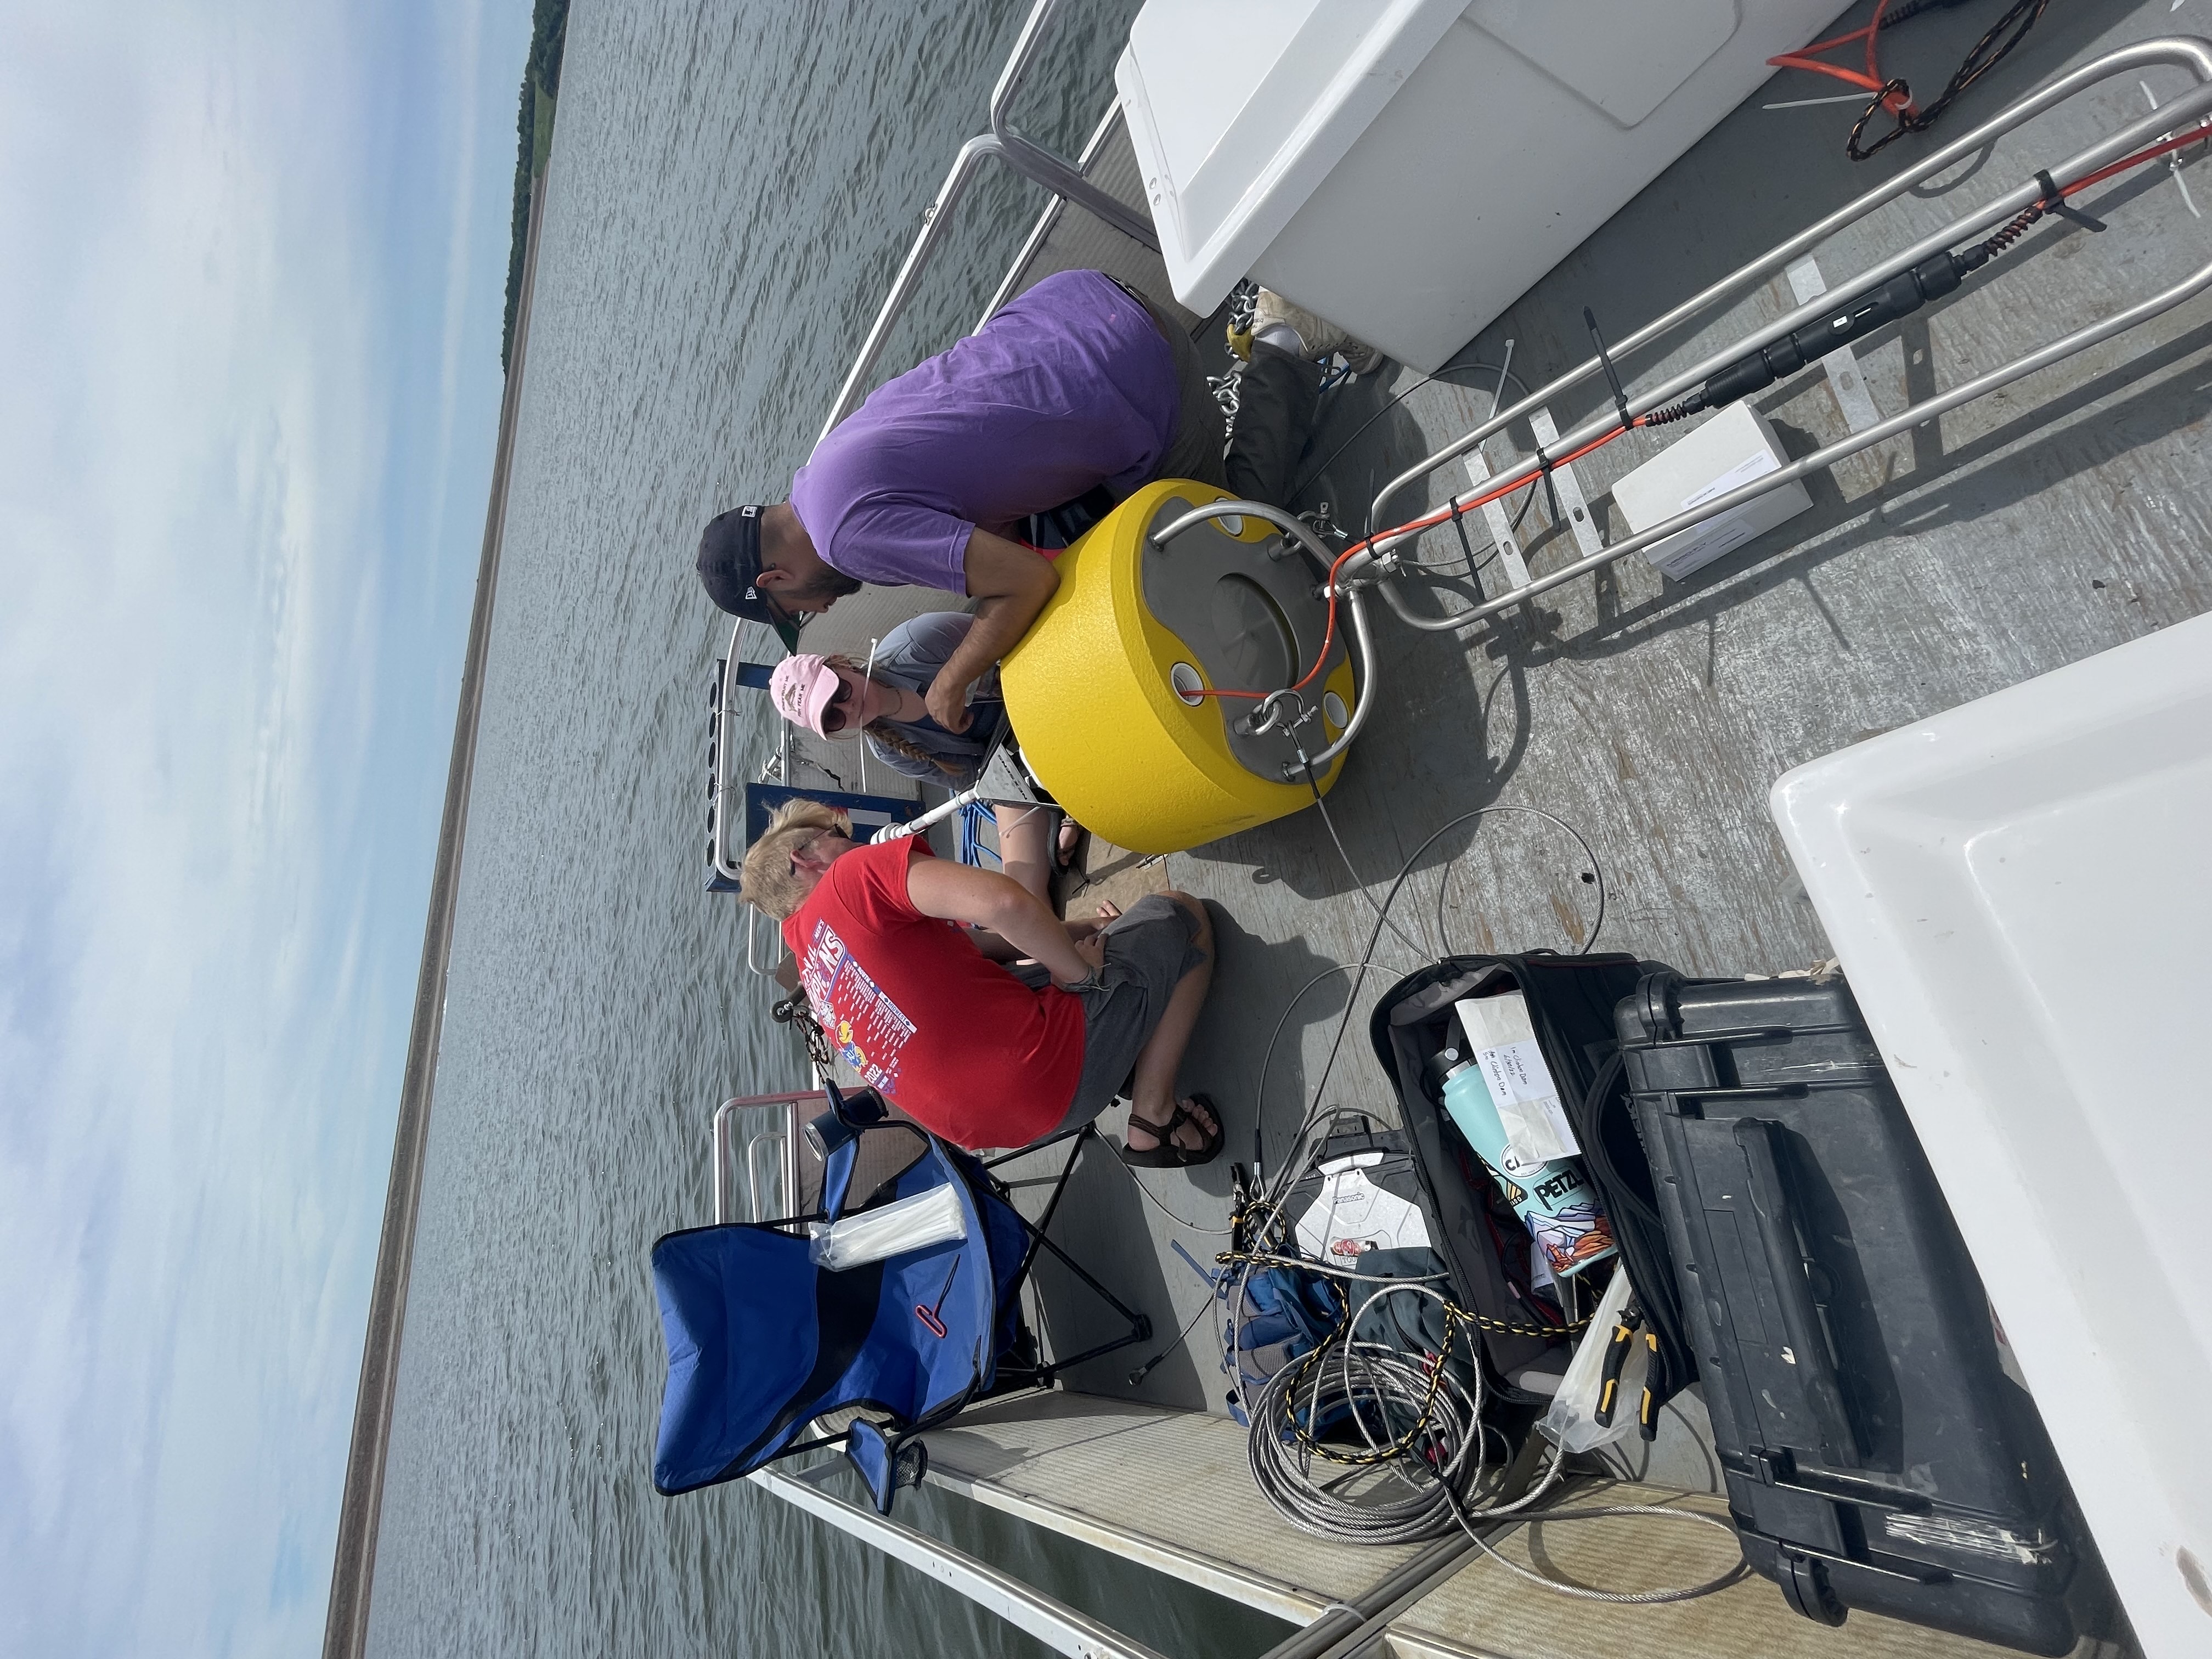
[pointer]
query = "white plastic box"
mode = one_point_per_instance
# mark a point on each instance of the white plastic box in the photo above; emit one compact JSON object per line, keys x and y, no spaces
{"x":1726,"y":451}
{"x":2020,"y":893}
{"x":1407,"y":168}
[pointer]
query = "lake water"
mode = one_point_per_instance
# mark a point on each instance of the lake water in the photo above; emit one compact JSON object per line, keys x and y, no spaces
{"x":731,"y":189}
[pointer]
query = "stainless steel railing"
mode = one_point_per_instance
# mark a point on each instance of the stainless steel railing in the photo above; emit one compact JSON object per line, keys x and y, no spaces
{"x":1033,"y":161}
{"x":783,"y":1142}
{"x":1376,"y":565}
{"x":1299,"y":531}
{"x":1025,"y":157}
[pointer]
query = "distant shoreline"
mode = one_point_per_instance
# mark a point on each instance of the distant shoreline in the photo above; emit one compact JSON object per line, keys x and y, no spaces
{"x":345,"y":1631}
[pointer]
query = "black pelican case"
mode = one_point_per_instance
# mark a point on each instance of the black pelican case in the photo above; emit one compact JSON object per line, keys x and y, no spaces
{"x":1878,"y":1452}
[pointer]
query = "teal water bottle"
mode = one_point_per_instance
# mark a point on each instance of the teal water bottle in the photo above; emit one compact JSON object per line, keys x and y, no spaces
{"x":1554,"y":1199}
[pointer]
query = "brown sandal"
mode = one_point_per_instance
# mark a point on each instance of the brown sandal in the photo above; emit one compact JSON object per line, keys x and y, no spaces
{"x":1169,"y":1155}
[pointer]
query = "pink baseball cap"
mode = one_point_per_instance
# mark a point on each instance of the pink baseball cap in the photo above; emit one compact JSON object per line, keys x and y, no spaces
{"x":801,"y":688}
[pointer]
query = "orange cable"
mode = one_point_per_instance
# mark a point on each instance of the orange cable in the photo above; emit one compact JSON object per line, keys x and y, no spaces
{"x":1410,"y":527}
{"x":1896,"y":100}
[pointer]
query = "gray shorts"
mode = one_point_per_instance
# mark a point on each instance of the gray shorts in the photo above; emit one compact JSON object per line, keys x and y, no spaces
{"x":1148,"y":948}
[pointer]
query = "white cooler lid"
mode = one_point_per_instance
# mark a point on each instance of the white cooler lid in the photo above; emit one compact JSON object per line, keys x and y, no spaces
{"x":2020,"y":891}
{"x":1238,"y":109}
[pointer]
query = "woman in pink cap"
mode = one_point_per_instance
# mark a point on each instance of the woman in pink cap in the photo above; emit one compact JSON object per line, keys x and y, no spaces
{"x":884,"y":703}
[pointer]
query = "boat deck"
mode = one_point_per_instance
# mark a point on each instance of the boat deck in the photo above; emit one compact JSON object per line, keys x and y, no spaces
{"x":1171,"y":1489}
{"x":2020,"y":533}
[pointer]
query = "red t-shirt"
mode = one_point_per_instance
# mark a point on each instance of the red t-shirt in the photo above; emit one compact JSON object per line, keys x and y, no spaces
{"x":961,"y":1045}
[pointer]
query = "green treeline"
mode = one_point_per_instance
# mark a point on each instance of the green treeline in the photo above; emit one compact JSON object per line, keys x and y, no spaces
{"x":541,"y":84}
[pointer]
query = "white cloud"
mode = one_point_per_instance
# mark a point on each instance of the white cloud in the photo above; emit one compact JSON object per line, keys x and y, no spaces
{"x":203,"y":983}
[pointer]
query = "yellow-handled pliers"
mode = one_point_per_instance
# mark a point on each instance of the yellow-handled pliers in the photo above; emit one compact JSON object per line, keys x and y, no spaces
{"x":1655,"y":1379}
{"x":1616,"y":1356}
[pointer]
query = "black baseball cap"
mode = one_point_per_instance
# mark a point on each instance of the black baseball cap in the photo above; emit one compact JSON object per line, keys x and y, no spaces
{"x":729,"y":570}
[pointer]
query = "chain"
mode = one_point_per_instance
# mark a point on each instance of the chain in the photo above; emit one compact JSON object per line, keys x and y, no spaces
{"x":1452,"y":1309}
{"x":795,"y":1012}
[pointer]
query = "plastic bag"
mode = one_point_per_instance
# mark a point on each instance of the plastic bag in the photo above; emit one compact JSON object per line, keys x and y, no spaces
{"x":1569,"y":1423}
{"x":910,"y":1224}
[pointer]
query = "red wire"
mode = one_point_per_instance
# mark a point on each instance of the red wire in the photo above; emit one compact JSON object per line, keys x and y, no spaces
{"x":1328,"y":639}
{"x":1872,"y":80}
{"x":1410,"y":527}
{"x":2196,"y":135}
{"x":2199,"y":134}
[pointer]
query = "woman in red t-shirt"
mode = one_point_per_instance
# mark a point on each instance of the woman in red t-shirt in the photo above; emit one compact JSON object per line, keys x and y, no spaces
{"x":1000,"y":1038}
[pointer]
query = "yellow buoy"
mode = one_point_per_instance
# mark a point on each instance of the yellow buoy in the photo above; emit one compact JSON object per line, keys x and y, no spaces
{"x":1104,"y":692}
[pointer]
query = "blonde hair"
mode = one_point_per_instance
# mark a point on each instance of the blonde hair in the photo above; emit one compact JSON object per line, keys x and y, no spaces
{"x":889,"y":735}
{"x":767,"y":881}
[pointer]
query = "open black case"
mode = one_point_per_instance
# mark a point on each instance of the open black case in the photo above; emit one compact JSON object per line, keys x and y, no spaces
{"x":1570,"y":1002}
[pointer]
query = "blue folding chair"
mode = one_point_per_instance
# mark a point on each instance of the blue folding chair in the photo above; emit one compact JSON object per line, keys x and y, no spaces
{"x":761,"y":1342}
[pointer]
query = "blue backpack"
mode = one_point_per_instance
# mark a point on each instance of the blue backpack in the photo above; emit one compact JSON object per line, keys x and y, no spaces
{"x":1272,"y":1317}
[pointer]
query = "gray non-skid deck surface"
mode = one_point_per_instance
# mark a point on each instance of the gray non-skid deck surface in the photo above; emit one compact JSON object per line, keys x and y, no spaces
{"x":2065,"y":516}
{"x":1172,"y":1488}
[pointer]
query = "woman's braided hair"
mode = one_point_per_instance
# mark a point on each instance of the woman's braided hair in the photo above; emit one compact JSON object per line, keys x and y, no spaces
{"x":890,"y":737}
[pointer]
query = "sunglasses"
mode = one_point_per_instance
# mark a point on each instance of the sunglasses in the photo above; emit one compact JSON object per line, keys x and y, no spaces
{"x":835,"y":711}
{"x":808,"y":846}
{"x":793,"y":620}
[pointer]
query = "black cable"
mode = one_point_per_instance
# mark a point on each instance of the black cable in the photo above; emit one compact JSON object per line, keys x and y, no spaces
{"x":1455,"y":366}
{"x":1267,"y":1057}
{"x":1986,"y":55}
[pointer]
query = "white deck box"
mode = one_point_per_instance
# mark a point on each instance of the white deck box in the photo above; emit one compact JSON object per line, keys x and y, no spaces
{"x":2018,"y":890}
{"x":1407,"y":168}
{"x":1727,"y":451}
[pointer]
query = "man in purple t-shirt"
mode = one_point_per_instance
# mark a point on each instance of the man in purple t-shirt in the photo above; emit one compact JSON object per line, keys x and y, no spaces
{"x":1077,"y":386}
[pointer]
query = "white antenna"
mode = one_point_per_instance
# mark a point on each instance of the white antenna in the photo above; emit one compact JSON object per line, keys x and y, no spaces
{"x":868,"y":679}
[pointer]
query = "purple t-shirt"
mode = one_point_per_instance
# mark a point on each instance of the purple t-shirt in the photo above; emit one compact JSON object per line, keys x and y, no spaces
{"x":1068,"y":387}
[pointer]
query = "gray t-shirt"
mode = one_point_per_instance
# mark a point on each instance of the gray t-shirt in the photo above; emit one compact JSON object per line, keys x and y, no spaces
{"x":909,"y":658}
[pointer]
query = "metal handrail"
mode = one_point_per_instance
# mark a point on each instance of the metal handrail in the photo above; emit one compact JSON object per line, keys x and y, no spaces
{"x":1379,"y":562}
{"x":721,"y":1139}
{"x":724,"y":705}
{"x":727,"y":789}
{"x":1039,"y":165}
{"x":1025,"y":157}
{"x":1056,"y":1625}
{"x":2183,"y":52}
{"x":756,"y":1207}
{"x":1046,"y":219}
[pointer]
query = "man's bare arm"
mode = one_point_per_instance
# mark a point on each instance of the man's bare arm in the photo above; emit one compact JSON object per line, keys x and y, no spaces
{"x":998,"y":950}
{"x":984,"y":898}
{"x":1013,"y":583}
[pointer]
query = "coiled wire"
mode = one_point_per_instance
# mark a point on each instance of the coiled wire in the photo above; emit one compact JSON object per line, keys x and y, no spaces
{"x":1417,"y":1421}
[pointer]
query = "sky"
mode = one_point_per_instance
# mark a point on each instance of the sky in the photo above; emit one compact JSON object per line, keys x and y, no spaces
{"x":252,"y":256}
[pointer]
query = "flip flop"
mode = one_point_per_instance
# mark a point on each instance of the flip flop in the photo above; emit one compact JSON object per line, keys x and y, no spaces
{"x":1070,"y":856}
{"x":1169,"y":1155}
